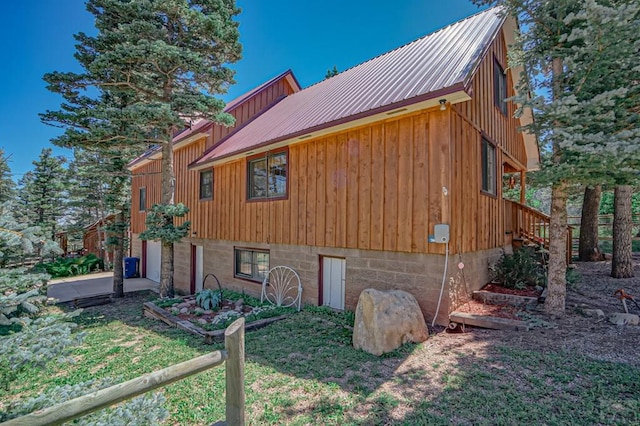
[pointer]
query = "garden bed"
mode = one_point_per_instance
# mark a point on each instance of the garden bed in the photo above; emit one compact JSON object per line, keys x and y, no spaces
{"x":496,"y":295}
{"x":497,"y":307}
{"x":185,"y":314}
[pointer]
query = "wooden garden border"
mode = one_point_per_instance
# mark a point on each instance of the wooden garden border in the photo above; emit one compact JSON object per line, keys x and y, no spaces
{"x":151,"y":310}
{"x":232,"y":356}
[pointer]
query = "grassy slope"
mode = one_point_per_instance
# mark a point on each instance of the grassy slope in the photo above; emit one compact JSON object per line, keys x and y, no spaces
{"x":304,"y":371}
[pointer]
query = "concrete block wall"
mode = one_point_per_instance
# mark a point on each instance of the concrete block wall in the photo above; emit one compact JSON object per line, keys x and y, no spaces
{"x":417,"y":273}
{"x":136,"y":246}
{"x":182,"y":267}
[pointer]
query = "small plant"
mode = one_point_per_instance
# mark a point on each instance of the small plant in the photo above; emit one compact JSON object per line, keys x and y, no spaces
{"x":66,"y":267}
{"x":519,"y":270}
{"x":573,"y":277}
{"x":208,"y":299}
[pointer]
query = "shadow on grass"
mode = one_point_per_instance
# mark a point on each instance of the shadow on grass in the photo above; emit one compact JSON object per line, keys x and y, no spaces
{"x":304,"y":370}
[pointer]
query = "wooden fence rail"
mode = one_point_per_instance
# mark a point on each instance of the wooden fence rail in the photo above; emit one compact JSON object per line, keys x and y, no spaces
{"x":232,"y":357}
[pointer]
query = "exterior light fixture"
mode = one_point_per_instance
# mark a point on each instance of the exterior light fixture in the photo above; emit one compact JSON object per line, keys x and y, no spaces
{"x":443,"y":104}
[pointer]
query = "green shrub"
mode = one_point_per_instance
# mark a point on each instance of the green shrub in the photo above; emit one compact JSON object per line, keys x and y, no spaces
{"x":519,"y":270}
{"x":208,"y":299}
{"x":68,"y":267}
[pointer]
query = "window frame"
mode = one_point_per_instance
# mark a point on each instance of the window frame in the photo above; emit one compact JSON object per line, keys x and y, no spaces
{"x":142,"y":199}
{"x":488,"y":186}
{"x":500,"y":92}
{"x":266,"y":156}
{"x":200,"y":187}
{"x":255,"y":273}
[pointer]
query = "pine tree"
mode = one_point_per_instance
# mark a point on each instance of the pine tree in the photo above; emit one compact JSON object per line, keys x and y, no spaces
{"x":572,"y":69}
{"x":30,"y":339}
{"x":164,"y":61}
{"x":42,"y":193}
{"x":588,"y":250}
{"x":331,"y":72}
{"x":7,"y":184}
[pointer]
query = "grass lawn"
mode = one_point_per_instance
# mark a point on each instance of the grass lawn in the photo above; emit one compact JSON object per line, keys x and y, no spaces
{"x":303,"y":370}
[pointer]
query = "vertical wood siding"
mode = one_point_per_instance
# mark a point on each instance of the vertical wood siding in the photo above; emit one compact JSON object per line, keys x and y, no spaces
{"x":254,"y":105}
{"x":375,"y":187}
{"x":147,"y":176}
{"x":478,"y":220}
{"x":187,"y":182}
{"x":482,"y":113}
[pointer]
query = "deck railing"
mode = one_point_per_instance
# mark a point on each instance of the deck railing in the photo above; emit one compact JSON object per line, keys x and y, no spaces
{"x":533,"y":225}
{"x":232,"y":356}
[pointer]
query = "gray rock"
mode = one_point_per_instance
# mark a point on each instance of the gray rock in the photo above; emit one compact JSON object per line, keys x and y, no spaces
{"x":594,"y":313}
{"x":184,"y":310}
{"x":207,"y":312}
{"x":199,"y":310}
{"x":624,"y":319}
{"x":239,"y":302}
{"x":183,"y":305}
{"x":202,"y":321}
{"x":387,"y":319}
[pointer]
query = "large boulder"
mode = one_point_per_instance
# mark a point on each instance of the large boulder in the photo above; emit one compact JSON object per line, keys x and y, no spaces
{"x":387,"y":319}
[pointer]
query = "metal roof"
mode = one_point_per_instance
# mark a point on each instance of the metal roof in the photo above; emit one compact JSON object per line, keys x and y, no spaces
{"x":441,"y":62}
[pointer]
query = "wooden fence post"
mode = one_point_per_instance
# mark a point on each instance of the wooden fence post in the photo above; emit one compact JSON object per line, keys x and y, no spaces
{"x":234,"y":365}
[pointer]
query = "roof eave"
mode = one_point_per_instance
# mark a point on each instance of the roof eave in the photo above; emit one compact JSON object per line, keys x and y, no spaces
{"x":453,"y":94}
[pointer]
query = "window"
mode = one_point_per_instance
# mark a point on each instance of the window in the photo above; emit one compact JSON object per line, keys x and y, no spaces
{"x":143,"y":199}
{"x":499,"y":87}
{"x":489,"y":182}
{"x":206,"y":185}
{"x":251,"y":264}
{"x":267,"y":176}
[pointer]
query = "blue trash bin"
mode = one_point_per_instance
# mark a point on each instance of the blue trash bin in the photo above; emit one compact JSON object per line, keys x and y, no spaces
{"x":131,"y":267}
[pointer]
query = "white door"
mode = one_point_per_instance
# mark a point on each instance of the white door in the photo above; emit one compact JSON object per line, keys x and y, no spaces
{"x":153,"y":260}
{"x":198,"y":267}
{"x":333,"y":279}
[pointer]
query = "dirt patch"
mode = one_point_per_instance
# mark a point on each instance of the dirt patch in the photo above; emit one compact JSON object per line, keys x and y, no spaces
{"x":574,"y":332}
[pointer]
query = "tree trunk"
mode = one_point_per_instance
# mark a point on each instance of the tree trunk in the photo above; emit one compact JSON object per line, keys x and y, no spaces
{"x":557,"y":281}
{"x":168,"y":194}
{"x":588,"y":250}
{"x":118,"y":256}
{"x":622,"y":264}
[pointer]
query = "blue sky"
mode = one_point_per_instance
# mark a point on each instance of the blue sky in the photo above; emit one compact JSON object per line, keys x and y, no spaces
{"x":307,"y":36}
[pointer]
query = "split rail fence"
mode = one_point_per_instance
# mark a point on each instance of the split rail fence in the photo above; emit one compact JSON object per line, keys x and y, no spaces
{"x":232,"y":356}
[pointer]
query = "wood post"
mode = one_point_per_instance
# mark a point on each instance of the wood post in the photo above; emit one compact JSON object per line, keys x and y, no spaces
{"x":523,"y":186}
{"x":234,"y":345}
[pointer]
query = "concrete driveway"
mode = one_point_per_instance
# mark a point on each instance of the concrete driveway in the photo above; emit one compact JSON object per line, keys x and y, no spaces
{"x":70,"y":288}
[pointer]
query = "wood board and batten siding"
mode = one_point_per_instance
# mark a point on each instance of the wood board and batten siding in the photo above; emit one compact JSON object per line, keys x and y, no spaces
{"x":377,"y":187}
{"x":248,"y":109}
{"x":147,"y":176}
{"x":478,"y":219}
{"x":187,"y":182}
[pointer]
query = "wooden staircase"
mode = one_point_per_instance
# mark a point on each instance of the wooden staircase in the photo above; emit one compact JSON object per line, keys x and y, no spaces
{"x":531,"y":225}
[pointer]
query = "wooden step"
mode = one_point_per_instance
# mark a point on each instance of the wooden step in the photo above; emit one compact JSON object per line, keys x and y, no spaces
{"x":503,"y":299}
{"x":493,"y":323}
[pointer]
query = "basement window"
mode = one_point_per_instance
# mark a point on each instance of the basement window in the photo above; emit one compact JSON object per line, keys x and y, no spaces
{"x":251,"y":264}
{"x":267,"y":175}
{"x":489,"y":180}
